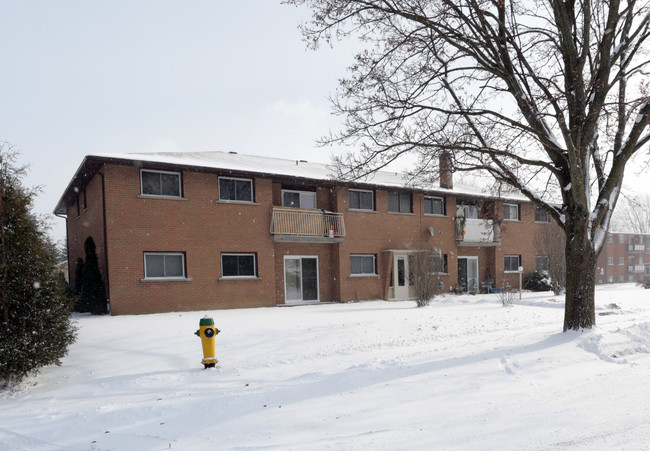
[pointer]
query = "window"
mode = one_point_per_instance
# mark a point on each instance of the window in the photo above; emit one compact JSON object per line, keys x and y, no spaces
{"x":238,"y":265}
{"x":434,"y":205}
{"x":399,"y":202}
{"x":631,"y":261}
{"x":511,"y":263}
{"x":160,"y":183}
{"x":467,"y":211}
{"x":542,"y":263}
{"x":511,"y":212}
{"x":233,"y":189}
{"x":610,"y":238}
{"x":299,"y":199}
{"x":164,"y":265}
{"x":621,"y":260}
{"x":621,"y":239}
{"x":610,"y":260}
{"x":437,"y":264}
{"x":541,"y":215}
{"x":647,"y":270}
{"x":361,"y":199}
{"x":363,"y":265}
{"x":610,"y":279}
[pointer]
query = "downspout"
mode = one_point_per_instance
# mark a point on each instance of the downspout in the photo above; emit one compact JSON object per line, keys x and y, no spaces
{"x":108,"y":291}
{"x":67,"y":244}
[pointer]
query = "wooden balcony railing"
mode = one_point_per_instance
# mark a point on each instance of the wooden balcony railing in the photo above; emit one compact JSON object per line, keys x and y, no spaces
{"x":320,"y":225}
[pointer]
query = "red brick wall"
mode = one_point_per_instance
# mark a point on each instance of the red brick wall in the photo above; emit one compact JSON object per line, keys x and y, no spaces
{"x":89,"y":222}
{"x":197,"y":225}
{"x":203,"y":228}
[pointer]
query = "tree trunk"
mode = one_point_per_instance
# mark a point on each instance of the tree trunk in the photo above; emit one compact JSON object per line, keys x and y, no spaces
{"x":579,"y":310}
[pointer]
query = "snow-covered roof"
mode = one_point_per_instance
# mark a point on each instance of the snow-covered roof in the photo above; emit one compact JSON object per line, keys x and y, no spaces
{"x":301,"y":169}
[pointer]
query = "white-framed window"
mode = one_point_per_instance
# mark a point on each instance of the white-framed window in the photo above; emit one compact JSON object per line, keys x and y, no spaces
{"x":541,"y":215}
{"x":610,"y":279}
{"x":437,"y":264}
{"x":511,"y":212}
{"x":621,"y":239}
{"x":631,"y":261}
{"x":511,"y":263}
{"x":467,"y":211}
{"x":621,"y":260}
{"x":610,"y":260}
{"x":361,"y":199}
{"x":164,"y":265}
{"x":298,"y":199}
{"x":363,"y":264}
{"x":602,"y":271}
{"x":542,"y":263}
{"x":434,"y":205}
{"x":399,"y":202}
{"x":610,"y":238}
{"x":600,"y":280}
{"x":235,"y":189}
{"x":238,"y":265}
{"x":629,"y":279}
{"x":160,"y":183}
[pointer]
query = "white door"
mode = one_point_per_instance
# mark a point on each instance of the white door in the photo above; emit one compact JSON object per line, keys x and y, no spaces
{"x":401,"y":276}
{"x":300,"y":279}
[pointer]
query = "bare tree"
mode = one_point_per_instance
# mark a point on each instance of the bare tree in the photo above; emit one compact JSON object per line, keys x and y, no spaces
{"x":548,"y":97}
{"x":424,"y":267}
{"x":551,"y":244}
{"x":633,"y":214}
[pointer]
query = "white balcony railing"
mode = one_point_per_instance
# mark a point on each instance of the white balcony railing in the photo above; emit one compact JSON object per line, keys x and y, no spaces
{"x":306,"y":223}
{"x":477,"y":231}
{"x":635,"y":247}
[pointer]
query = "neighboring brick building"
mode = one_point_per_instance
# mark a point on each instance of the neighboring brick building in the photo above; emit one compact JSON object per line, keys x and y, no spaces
{"x":624,"y":258}
{"x":211,"y":230}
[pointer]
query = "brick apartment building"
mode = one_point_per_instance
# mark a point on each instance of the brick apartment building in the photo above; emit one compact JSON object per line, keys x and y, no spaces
{"x":212,"y":230}
{"x":624,"y":258}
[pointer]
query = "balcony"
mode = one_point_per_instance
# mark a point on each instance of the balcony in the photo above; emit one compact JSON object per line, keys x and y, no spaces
{"x":300,"y":225}
{"x":477,"y":232}
{"x":636,"y":247}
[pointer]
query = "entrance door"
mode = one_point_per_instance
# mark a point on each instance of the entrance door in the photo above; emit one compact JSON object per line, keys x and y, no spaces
{"x":401,"y":276}
{"x":468,"y":273}
{"x":300,"y":279}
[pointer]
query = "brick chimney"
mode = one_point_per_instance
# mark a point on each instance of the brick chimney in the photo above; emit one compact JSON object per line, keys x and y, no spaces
{"x":446,"y":170}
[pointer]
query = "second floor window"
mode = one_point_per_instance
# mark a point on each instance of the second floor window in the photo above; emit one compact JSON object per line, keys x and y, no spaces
{"x":235,"y":189}
{"x":160,"y":183}
{"x":298,"y":199}
{"x":361,"y":199}
{"x":434,"y":205}
{"x":399,"y":202}
{"x":511,"y":212}
{"x":541,"y":215}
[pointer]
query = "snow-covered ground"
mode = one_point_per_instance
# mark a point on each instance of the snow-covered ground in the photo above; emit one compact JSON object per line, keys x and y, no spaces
{"x":463,"y":373}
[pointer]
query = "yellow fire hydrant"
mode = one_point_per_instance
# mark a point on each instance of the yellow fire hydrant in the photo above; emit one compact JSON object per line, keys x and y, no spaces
{"x":207,"y":332}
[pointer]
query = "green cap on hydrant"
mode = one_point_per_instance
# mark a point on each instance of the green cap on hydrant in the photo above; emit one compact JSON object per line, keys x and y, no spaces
{"x":206,"y":321}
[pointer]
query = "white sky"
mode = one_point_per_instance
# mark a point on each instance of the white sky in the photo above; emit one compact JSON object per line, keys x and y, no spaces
{"x":83,"y":76}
